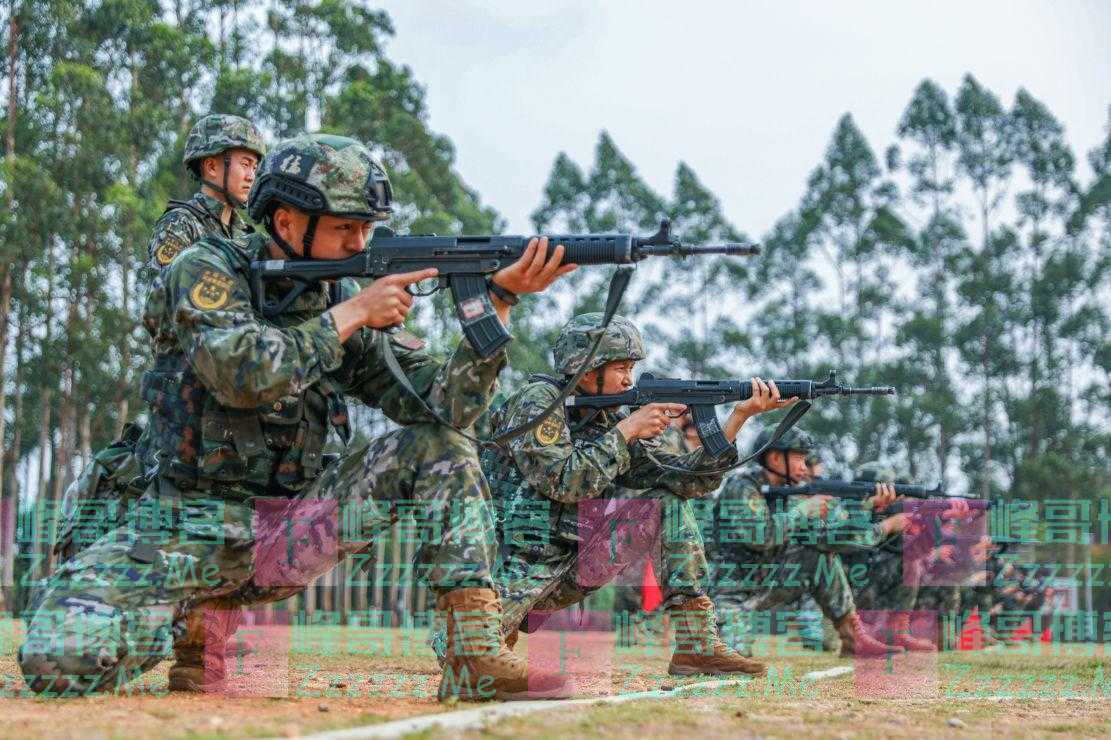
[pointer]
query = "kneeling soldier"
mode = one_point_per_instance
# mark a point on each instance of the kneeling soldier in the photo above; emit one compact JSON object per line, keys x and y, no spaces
{"x":555,"y":551}
{"x":240,"y":407}
{"x":763,"y":560}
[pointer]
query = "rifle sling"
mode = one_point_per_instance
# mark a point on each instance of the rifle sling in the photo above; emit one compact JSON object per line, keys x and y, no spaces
{"x":793,"y":416}
{"x":618,"y":283}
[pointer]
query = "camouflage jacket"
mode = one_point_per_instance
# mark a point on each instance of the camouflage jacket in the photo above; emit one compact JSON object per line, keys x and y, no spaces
{"x":240,"y":400}
{"x":743,"y":520}
{"x":183,"y":223}
{"x":554,"y":467}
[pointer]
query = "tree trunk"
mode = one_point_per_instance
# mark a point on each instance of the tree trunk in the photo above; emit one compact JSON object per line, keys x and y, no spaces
{"x":5,"y":309}
{"x":84,"y":434}
{"x":44,"y":442}
{"x":13,"y":87}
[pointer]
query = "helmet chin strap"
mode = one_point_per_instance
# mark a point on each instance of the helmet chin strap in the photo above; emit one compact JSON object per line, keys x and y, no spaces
{"x":786,"y":474}
{"x":230,"y":199}
{"x":306,"y":240}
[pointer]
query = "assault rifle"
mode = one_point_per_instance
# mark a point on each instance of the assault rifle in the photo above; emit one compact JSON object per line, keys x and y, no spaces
{"x":700,"y":396}
{"x":464,"y":262}
{"x":934,"y":499}
{"x":856,"y":489}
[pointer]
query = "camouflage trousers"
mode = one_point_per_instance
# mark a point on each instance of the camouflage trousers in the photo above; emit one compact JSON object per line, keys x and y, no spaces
{"x":623,"y":530}
{"x":97,"y":500}
{"x":114,"y":610}
{"x":765,"y":582}
{"x":886,"y":586}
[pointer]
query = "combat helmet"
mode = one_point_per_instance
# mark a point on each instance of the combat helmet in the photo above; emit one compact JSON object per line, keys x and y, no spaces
{"x":875,"y":471}
{"x":792,"y":440}
{"x":621,"y":341}
{"x":321,"y":175}
{"x":219,"y":133}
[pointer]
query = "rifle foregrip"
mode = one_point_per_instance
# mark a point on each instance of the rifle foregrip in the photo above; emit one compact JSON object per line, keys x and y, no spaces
{"x":709,"y":431}
{"x":594,"y":249}
{"x":481,"y":325}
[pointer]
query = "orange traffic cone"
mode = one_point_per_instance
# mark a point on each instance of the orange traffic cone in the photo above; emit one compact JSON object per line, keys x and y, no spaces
{"x":650,"y":596}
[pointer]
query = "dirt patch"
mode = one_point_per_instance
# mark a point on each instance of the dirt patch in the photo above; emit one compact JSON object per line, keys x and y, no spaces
{"x":322,"y":678}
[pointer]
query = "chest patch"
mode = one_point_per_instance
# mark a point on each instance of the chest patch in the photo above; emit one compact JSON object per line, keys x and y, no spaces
{"x":407,"y":339}
{"x":212,"y":291}
{"x":548,"y":431}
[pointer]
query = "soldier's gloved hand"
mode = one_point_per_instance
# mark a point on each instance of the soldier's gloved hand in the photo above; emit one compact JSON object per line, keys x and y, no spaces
{"x":649,"y":421}
{"x":884,"y":497}
{"x":382,"y":304}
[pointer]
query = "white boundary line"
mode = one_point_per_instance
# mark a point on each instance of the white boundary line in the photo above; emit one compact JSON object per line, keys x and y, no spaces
{"x":476,"y":719}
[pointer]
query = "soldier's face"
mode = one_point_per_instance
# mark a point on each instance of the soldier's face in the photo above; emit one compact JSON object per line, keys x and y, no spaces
{"x":794,"y":463}
{"x":241,"y":171}
{"x":336,"y":238}
{"x":617,"y":377}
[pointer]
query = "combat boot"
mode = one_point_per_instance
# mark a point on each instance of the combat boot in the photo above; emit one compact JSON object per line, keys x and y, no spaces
{"x":857,"y":643}
{"x":699,"y":649}
{"x":478,"y":666}
{"x":901,"y":635}
{"x":201,"y":651}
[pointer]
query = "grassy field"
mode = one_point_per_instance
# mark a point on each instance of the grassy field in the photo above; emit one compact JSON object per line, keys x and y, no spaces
{"x":329,"y":678}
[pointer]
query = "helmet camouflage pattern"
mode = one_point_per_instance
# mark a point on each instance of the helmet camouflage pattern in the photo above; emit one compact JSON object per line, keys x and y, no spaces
{"x":875,"y":471}
{"x":622,"y":341}
{"x":322,"y":174}
{"x":219,"y":132}
{"x":792,"y":440}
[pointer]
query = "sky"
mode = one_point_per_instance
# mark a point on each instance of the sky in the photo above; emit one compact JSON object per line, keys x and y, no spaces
{"x":745,"y":92}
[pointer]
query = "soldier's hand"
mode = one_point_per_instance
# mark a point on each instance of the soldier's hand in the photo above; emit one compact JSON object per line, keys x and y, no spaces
{"x":895,"y":524}
{"x":765,"y":397}
{"x":958,"y":509}
{"x":383,"y":303}
{"x":535,"y":270}
{"x":817,"y":505}
{"x":884,"y":496}
{"x":649,"y":421}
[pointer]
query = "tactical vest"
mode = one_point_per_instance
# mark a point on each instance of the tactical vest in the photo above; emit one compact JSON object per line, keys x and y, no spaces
{"x":210,"y":222}
{"x":515,"y":501}
{"x":275,"y":448}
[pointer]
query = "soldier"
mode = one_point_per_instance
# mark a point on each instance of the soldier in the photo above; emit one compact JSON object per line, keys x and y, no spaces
{"x":547,"y":484}
{"x":240,"y":408}
{"x":635,"y":625}
{"x":221,"y":153}
{"x":892,"y":584}
{"x":762,"y":559}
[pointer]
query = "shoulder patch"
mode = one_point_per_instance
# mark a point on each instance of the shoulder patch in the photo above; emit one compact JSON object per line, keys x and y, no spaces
{"x":166,"y":252}
{"x":756,"y":504}
{"x":212,"y":291}
{"x":548,"y":431}
{"x":407,"y":339}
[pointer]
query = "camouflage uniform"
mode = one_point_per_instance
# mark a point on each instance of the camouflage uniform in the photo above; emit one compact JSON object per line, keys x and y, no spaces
{"x":764,"y":559}
{"x":115,"y":478}
{"x":184,"y":222}
{"x":886,"y":587}
{"x":240,"y":409}
{"x":628,"y":595}
{"x":538,"y":486}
